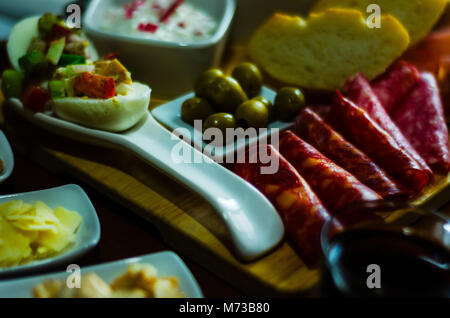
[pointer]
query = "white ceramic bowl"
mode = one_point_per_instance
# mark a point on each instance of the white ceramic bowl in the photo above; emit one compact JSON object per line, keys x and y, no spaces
{"x":170,"y":68}
{"x":167,"y":263}
{"x":73,"y":198}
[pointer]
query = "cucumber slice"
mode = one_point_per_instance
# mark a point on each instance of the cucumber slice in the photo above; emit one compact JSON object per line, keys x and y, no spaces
{"x":12,"y":83}
{"x":55,"y":50}
{"x":57,"y":89}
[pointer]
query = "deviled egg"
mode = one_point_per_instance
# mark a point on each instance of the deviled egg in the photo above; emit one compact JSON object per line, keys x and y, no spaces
{"x":55,"y":67}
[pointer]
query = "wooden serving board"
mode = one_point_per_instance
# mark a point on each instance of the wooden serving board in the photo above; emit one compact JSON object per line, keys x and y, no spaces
{"x":186,"y":221}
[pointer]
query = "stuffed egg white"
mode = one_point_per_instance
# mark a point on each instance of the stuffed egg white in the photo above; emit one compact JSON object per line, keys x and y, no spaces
{"x":113,"y":114}
{"x":56,"y":67}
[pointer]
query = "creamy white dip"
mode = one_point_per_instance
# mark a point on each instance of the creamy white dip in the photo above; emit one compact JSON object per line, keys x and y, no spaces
{"x":143,"y":18}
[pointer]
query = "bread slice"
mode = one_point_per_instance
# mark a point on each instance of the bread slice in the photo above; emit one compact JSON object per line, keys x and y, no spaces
{"x":418,"y":16}
{"x":320,"y":53}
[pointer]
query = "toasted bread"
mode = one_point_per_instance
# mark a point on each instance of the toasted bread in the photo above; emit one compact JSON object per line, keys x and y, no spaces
{"x":321,"y":52}
{"x":418,"y":16}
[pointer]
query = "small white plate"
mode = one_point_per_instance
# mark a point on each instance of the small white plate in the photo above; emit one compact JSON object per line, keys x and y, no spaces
{"x":169,"y":114}
{"x":73,"y":198}
{"x":6,"y":156}
{"x":167,"y":264}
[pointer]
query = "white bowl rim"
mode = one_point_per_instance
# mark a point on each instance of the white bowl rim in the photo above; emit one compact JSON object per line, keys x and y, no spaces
{"x":222,"y":29}
{"x":172,"y":258}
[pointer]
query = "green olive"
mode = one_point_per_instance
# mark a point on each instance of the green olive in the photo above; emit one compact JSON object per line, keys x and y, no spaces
{"x":225,"y":94}
{"x":204,"y":80}
{"x":269,"y":105}
{"x":252,"y":113}
{"x":289,"y":102}
{"x":221,"y":121}
{"x":195,"y":108}
{"x":249,"y":77}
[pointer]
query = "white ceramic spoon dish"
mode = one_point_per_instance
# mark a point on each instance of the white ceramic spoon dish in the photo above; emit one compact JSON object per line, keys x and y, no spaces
{"x":253,"y":223}
{"x":73,"y":198}
{"x":6,"y":155}
{"x":167,"y":264}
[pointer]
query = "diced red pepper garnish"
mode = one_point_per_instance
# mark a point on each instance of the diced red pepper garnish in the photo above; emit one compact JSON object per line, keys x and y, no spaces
{"x":156,"y":6}
{"x":35,"y":98}
{"x":198,"y":33}
{"x":111,"y":56}
{"x":171,"y":10}
{"x":148,"y":27}
{"x":59,"y":31}
{"x":95,"y":86}
{"x":129,"y":8}
{"x":182,"y":24}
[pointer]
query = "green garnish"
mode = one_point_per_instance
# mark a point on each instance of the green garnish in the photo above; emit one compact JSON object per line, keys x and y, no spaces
{"x":12,"y":83}
{"x":33,"y":62}
{"x":47,"y":21}
{"x":69,"y":59}
{"x":55,"y":50}
{"x":57,"y":89}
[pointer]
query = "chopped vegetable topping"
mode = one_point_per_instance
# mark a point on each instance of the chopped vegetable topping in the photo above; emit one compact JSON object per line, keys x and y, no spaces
{"x":111,"y":56}
{"x":57,"y":89}
{"x":35,"y":98}
{"x":12,"y":83}
{"x":129,"y":8}
{"x":47,"y":21}
{"x":167,"y":14}
{"x":58,"y":31}
{"x":147,"y":27}
{"x":114,"y":69}
{"x":37,"y":44}
{"x":55,"y":50}
{"x":33,"y":63}
{"x":69,"y":59}
{"x":77,"y":48}
{"x":95,"y":86}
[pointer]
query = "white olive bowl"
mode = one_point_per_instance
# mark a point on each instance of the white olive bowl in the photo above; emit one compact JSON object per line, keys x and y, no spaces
{"x":170,"y":68}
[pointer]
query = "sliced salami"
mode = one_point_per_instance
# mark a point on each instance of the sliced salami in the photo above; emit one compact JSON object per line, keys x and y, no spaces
{"x":358,"y":89}
{"x":361,"y":130}
{"x":302,"y":212}
{"x":421,"y":119}
{"x":312,"y":128}
{"x":393,"y":86}
{"x":335,"y":187}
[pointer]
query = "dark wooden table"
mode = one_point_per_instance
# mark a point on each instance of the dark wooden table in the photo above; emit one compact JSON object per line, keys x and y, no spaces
{"x":123,"y":234}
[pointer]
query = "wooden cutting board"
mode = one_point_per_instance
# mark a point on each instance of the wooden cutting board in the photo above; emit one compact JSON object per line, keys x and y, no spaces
{"x":185,"y":221}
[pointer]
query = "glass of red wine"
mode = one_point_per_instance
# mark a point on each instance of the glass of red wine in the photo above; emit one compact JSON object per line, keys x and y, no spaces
{"x":371,"y":256}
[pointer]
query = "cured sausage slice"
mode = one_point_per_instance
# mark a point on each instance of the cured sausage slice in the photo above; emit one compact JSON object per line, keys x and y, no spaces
{"x":393,"y":86}
{"x":421,"y":119}
{"x":356,"y":125}
{"x":312,"y":128}
{"x":359,"y":91}
{"x":335,"y":187}
{"x":302,"y":212}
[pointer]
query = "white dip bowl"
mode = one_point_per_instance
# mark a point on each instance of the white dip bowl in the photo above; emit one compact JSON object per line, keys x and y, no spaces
{"x":169,"y":68}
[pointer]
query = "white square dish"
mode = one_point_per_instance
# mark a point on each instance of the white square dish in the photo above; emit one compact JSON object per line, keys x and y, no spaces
{"x":169,"y":115}
{"x":167,"y":263}
{"x":73,"y":198}
{"x":169,"y":68}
